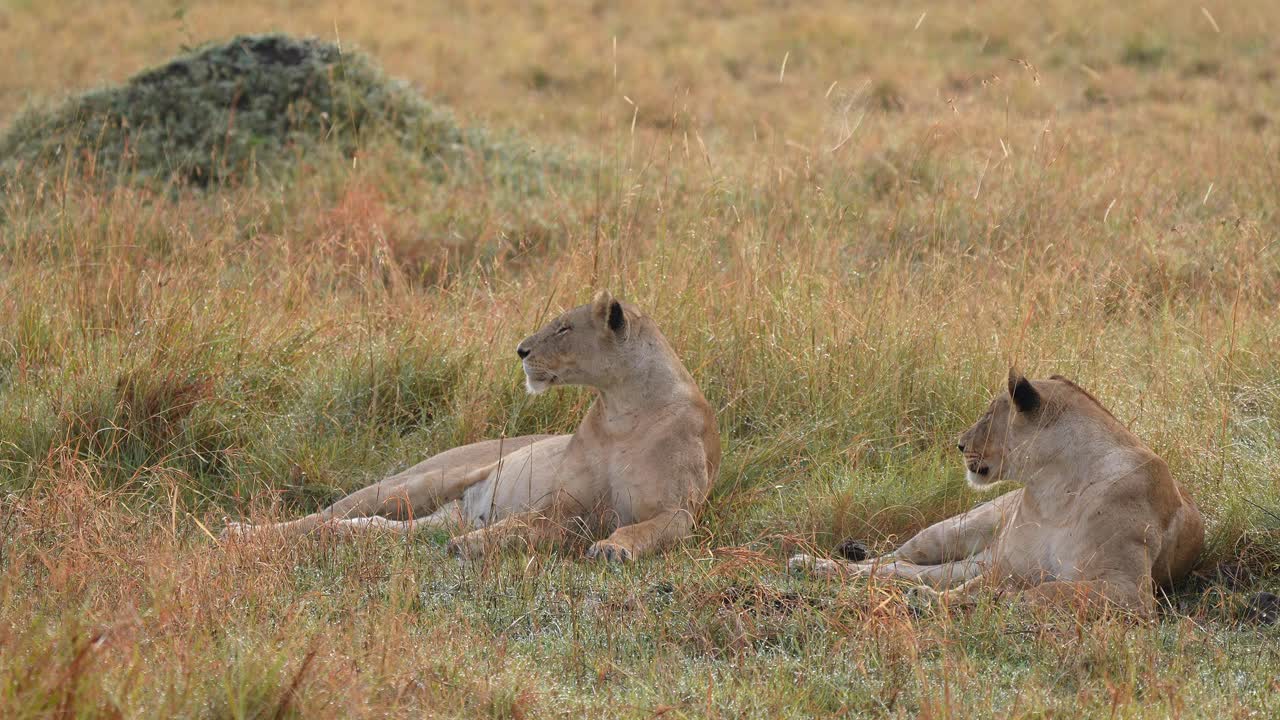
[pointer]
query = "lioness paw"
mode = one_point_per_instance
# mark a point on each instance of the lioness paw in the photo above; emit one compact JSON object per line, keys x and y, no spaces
{"x":354,"y":526}
{"x":810,"y":564}
{"x":610,"y":552}
{"x":921,"y":598}
{"x":800,"y":563}
{"x":464,"y":547}
{"x":235,"y":530}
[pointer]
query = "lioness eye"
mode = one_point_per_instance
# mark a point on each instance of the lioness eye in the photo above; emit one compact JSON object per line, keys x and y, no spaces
{"x":563,"y":330}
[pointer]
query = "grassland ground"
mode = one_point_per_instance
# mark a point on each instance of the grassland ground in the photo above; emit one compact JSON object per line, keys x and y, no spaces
{"x":849,"y":219}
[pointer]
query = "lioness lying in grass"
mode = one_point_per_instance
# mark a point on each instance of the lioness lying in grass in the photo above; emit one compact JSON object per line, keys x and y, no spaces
{"x":1098,"y":517}
{"x":642,"y":461}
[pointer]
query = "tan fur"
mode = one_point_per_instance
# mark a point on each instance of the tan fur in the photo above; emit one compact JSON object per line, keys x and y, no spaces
{"x":1099,"y":517}
{"x":642,"y":461}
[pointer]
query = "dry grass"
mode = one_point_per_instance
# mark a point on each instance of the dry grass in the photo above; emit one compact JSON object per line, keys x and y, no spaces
{"x":1084,"y":188}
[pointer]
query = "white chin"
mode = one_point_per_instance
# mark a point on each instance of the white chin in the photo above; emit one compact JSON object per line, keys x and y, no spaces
{"x":535,"y":387}
{"x":976,"y":481}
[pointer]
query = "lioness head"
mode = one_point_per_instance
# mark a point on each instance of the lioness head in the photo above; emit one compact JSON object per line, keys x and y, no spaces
{"x":584,"y":346}
{"x":1003,"y":444}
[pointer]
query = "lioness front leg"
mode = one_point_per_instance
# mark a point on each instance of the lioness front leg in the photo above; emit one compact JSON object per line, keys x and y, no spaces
{"x":448,"y":516}
{"x":944,"y":575}
{"x":1123,"y":595}
{"x":1056,"y":594}
{"x":529,"y":527}
{"x":956,"y":539}
{"x":823,"y":567}
{"x":959,"y":537}
{"x":631,"y":541}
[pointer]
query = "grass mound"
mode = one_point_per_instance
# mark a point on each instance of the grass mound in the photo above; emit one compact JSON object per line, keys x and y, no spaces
{"x":226,"y":112}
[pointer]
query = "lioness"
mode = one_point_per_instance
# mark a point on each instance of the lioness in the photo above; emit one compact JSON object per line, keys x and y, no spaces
{"x":643,"y":459}
{"x":1098,"y":516}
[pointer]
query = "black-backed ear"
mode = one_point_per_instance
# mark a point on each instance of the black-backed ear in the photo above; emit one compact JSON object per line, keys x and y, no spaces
{"x":608,"y":310}
{"x":1024,"y":395}
{"x":617,"y":319}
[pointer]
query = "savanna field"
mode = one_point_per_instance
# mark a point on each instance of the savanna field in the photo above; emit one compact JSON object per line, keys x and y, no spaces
{"x":849,"y":218}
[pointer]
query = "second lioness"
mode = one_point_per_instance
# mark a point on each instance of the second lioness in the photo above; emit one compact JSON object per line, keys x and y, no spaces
{"x":642,"y":461}
{"x":1098,"y":516}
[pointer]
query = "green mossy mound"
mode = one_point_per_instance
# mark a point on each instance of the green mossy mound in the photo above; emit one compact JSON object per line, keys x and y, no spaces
{"x":227,"y":112}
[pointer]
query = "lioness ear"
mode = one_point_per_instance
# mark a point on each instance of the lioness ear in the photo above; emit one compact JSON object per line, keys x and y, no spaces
{"x":609,"y":310}
{"x":600,"y":305}
{"x":1024,"y":395}
{"x":617,"y":320}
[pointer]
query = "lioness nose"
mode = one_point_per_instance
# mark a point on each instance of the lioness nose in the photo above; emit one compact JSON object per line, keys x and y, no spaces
{"x":522,"y":352}
{"x":960,"y":446}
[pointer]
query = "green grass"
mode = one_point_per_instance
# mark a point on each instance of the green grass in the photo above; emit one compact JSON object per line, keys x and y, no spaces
{"x":243,"y":111}
{"x":848,"y":272}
